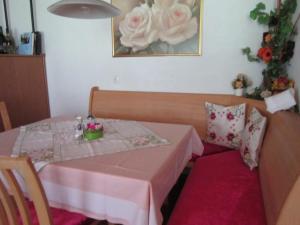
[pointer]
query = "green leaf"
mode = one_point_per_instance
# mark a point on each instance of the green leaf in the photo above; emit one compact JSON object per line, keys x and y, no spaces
{"x":264,"y":19}
{"x":259,"y":14}
{"x":246,"y":50}
{"x":251,"y":58}
{"x":272,"y":13}
{"x":290,"y":5}
{"x":286,"y":30}
{"x":261,"y":6}
{"x":253,"y":14}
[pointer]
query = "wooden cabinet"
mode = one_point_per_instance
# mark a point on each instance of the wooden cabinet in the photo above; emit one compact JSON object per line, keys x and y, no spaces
{"x":23,"y":87}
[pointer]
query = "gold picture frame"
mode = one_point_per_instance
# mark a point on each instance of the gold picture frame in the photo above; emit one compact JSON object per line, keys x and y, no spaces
{"x":157,"y":28}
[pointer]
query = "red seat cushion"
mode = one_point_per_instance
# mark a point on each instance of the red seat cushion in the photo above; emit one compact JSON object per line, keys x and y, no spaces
{"x":59,"y":216}
{"x":210,"y":149}
{"x":220,"y":190}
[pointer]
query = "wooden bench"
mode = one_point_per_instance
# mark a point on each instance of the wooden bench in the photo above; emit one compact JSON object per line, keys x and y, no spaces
{"x":279,"y":169}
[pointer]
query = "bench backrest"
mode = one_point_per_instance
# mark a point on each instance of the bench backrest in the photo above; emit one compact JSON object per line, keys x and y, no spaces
{"x":182,"y":108}
{"x":279,"y":169}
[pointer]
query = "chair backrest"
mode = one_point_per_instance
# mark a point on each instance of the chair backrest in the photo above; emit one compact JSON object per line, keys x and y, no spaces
{"x":4,"y":116}
{"x":13,"y":205}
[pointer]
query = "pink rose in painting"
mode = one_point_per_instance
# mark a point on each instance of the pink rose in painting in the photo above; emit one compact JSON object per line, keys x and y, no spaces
{"x":138,"y":29}
{"x":212,"y":135}
{"x":230,"y":116}
{"x":175,"y":23}
{"x":213,"y":116}
{"x":230,"y":136}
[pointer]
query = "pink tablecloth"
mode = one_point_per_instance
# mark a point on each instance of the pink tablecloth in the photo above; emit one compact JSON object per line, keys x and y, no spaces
{"x":127,"y":187}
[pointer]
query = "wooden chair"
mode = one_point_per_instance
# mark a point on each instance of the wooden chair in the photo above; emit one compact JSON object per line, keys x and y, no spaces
{"x":13,"y":205}
{"x":4,"y":116}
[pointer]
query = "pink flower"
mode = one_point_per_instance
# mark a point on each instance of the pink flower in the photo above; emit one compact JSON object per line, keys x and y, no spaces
{"x":212,"y":135}
{"x":230,"y":116}
{"x":230,"y":136}
{"x":212,"y":116}
{"x":98,"y":126}
{"x":251,"y":128}
{"x":91,"y":126}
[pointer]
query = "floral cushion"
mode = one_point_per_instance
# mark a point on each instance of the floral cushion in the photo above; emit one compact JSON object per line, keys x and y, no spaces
{"x":225,"y":124}
{"x":252,"y":138}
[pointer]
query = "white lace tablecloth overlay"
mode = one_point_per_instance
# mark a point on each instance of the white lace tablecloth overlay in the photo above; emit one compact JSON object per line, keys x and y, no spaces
{"x":55,"y":141}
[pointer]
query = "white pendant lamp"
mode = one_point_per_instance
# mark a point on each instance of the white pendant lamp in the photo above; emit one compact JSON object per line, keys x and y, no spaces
{"x":84,"y":9}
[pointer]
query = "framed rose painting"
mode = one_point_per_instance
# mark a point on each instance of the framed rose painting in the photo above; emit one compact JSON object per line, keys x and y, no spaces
{"x":157,"y":27}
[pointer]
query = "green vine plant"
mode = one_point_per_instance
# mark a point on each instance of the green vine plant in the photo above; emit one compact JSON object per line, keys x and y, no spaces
{"x":277,"y":47}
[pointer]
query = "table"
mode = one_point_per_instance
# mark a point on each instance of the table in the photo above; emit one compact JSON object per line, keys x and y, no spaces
{"x":127,"y":187}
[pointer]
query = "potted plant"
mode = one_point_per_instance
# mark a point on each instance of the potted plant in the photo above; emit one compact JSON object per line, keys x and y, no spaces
{"x":240,"y":84}
{"x":277,"y":46}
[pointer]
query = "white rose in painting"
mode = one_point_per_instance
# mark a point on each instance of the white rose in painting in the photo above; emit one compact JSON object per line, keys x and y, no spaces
{"x":176,"y":23}
{"x":138,"y":29}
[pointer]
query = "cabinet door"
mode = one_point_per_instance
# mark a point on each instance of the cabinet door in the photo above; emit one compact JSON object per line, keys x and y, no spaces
{"x":8,"y":92}
{"x":23,"y":86}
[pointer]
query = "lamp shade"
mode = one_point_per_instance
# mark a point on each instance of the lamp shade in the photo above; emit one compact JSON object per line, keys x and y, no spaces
{"x":84,"y":9}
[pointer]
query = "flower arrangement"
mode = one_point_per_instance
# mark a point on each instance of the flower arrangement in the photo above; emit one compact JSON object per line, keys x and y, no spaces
{"x":277,"y":46}
{"x":241,"y":82}
{"x":92,"y":127}
{"x":281,"y":84}
{"x":93,"y":130}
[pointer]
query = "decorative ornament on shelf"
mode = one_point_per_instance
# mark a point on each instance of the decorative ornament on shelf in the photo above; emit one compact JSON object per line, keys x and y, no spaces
{"x":240,"y":84}
{"x":277,"y":46}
